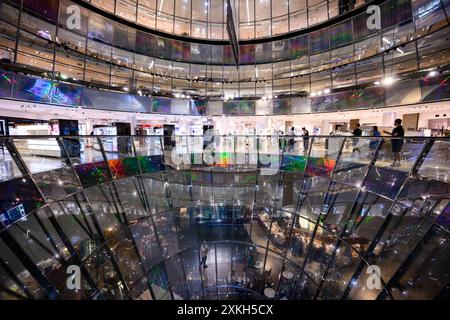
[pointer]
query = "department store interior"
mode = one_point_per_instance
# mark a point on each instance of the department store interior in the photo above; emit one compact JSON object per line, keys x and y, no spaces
{"x":225,"y":149}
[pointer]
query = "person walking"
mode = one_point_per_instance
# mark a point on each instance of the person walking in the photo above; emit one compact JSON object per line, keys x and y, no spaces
{"x":292,"y":139}
{"x":356,"y":133}
{"x":374,"y":142}
{"x":305,"y":139}
{"x":397,"y":142}
{"x":204,"y":249}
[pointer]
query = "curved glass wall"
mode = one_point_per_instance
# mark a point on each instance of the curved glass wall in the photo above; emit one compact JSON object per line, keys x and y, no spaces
{"x":344,"y":56}
{"x":306,"y":220}
{"x":207,"y":19}
{"x":28,"y":88}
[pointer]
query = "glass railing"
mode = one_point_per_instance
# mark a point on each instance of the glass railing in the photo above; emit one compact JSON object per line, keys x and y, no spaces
{"x":284,"y":217}
{"x":107,"y":54}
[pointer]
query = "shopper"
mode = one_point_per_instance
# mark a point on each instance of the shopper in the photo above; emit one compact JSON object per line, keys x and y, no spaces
{"x":374,"y":142}
{"x":397,"y":141}
{"x":356,"y":133}
{"x":204,"y":249}
{"x":305,"y":139}
{"x":281,"y":141}
{"x":292,"y":139}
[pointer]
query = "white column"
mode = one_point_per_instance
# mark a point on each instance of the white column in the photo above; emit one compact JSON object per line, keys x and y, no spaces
{"x":388,"y":119}
{"x":325,"y":127}
{"x":89,"y":126}
{"x":133,"y":123}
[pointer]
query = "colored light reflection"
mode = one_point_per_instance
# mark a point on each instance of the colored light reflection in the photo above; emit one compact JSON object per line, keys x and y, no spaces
{"x":315,"y":166}
{"x":125,"y":167}
{"x":444,"y":217}
{"x":224,"y":159}
{"x":151,"y":163}
{"x":320,"y":167}
{"x":92,"y":174}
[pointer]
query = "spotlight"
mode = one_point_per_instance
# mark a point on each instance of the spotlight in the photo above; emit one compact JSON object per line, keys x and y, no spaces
{"x":377,"y":83}
{"x":432,"y":73}
{"x":326,"y":91}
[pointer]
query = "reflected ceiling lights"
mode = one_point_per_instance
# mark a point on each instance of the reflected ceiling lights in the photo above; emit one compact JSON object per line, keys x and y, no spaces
{"x":388,"y":81}
{"x":320,"y":92}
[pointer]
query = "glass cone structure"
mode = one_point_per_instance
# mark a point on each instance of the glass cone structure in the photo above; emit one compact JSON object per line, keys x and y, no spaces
{"x":276,"y":218}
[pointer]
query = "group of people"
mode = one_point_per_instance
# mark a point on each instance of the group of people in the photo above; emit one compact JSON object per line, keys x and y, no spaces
{"x":290,"y":145}
{"x":396,"y":143}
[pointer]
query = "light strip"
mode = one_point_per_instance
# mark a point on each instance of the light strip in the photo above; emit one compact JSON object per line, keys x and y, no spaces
{"x":248,"y":13}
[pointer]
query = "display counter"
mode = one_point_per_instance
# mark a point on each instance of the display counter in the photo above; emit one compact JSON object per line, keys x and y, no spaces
{"x":39,"y":147}
{"x":45,"y":147}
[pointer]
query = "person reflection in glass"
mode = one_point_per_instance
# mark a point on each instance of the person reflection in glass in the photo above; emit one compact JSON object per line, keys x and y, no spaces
{"x":204,"y":249}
